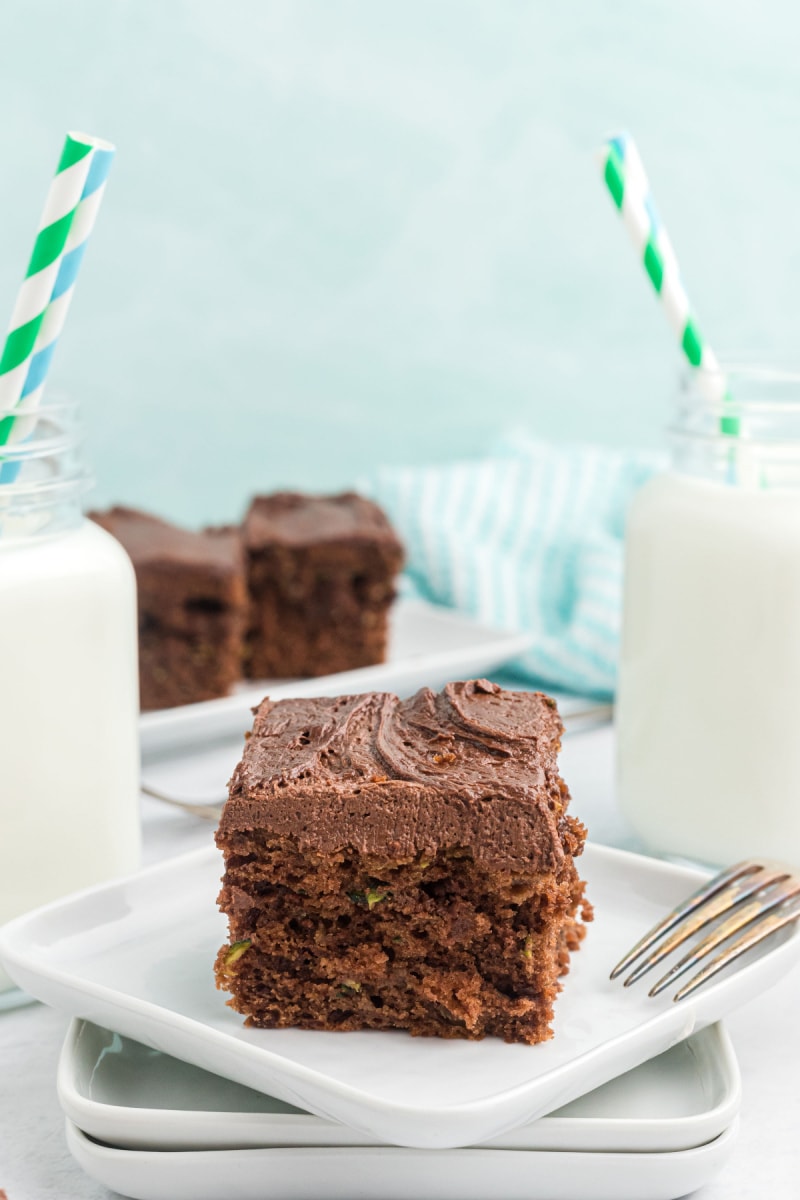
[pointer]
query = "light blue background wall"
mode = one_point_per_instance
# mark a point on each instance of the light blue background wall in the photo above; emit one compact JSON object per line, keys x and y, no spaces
{"x":339,"y":233}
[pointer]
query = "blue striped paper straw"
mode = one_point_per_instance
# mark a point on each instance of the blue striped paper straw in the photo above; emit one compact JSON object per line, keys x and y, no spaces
{"x":64,"y":286}
{"x":61,"y":295}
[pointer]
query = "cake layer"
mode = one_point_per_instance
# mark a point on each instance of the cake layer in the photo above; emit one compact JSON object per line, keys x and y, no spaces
{"x":192,"y":606}
{"x":183,"y":577}
{"x":439,"y":946}
{"x":179,"y":669}
{"x":327,"y":629}
{"x":321,"y":573}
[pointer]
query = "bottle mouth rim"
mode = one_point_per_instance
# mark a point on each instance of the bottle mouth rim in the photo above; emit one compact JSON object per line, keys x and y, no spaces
{"x":58,"y":406}
{"x":40,"y":428}
{"x":43,"y":479}
{"x":739,"y":404}
{"x":25,"y":450}
{"x":742,"y":388}
{"x":778,"y":445}
{"x":75,"y":482}
{"x":42,"y":456}
{"x":740,"y":369}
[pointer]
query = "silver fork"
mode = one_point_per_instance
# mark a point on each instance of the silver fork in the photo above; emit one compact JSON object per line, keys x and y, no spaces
{"x":753,"y":899}
{"x":209,"y":812}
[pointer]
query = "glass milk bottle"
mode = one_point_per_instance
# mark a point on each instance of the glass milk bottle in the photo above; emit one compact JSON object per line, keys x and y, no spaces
{"x":708,"y":706}
{"x":69,"y":812}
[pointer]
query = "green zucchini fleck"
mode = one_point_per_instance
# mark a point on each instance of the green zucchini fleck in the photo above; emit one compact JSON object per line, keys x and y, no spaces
{"x":236,"y":951}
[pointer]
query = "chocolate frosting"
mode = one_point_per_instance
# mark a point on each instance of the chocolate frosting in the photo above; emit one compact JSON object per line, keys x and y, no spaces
{"x":151,"y":542}
{"x":296,"y":519}
{"x":473,"y":766}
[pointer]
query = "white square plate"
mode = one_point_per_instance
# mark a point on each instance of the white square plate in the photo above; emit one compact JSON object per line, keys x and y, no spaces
{"x":362,"y":1173}
{"x":133,"y":1097}
{"x":136,"y":956}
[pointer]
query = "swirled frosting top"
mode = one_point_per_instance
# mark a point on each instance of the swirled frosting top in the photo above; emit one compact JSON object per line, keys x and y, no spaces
{"x":471,"y":766}
{"x":299,"y":520}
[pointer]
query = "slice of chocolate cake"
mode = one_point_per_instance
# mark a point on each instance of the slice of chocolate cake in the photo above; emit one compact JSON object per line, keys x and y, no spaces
{"x":321,"y":573}
{"x":192,"y":606}
{"x":401,"y":865}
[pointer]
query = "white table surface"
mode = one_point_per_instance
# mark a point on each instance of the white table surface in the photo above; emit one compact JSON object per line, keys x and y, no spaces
{"x":35,"y":1165}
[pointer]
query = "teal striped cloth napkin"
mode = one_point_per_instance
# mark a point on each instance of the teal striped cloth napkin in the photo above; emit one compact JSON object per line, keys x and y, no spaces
{"x":529,"y":538}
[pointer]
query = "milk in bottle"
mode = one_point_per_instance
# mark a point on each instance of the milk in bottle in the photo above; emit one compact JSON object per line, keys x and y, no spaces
{"x":68,"y":679}
{"x":708,"y":709}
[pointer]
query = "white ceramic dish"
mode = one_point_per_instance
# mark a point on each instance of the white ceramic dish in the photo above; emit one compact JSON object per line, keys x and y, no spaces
{"x":135,"y":956}
{"x":428,"y":646}
{"x":124,"y":1093}
{"x":362,"y":1173}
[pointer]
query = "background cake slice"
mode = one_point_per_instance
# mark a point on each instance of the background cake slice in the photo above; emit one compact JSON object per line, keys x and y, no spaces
{"x":192,"y":606}
{"x":401,"y":865}
{"x":321,"y":573}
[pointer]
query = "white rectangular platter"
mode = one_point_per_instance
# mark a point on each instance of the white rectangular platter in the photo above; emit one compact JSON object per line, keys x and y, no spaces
{"x":428,"y":646}
{"x":135,"y":956}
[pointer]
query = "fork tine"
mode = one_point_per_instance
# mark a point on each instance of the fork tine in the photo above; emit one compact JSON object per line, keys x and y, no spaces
{"x":208,"y":812}
{"x":741,"y":917}
{"x":773,"y":921}
{"x":731,"y":896}
{"x":694,"y":901}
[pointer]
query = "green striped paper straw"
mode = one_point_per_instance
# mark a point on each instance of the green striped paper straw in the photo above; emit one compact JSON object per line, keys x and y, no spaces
{"x":35,"y":293}
{"x":627,"y":183}
{"x":64,"y":287}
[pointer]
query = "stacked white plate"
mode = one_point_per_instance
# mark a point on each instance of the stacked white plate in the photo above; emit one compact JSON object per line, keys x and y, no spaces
{"x":182,"y":1100}
{"x":393,"y":1115}
{"x":150,"y":1126}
